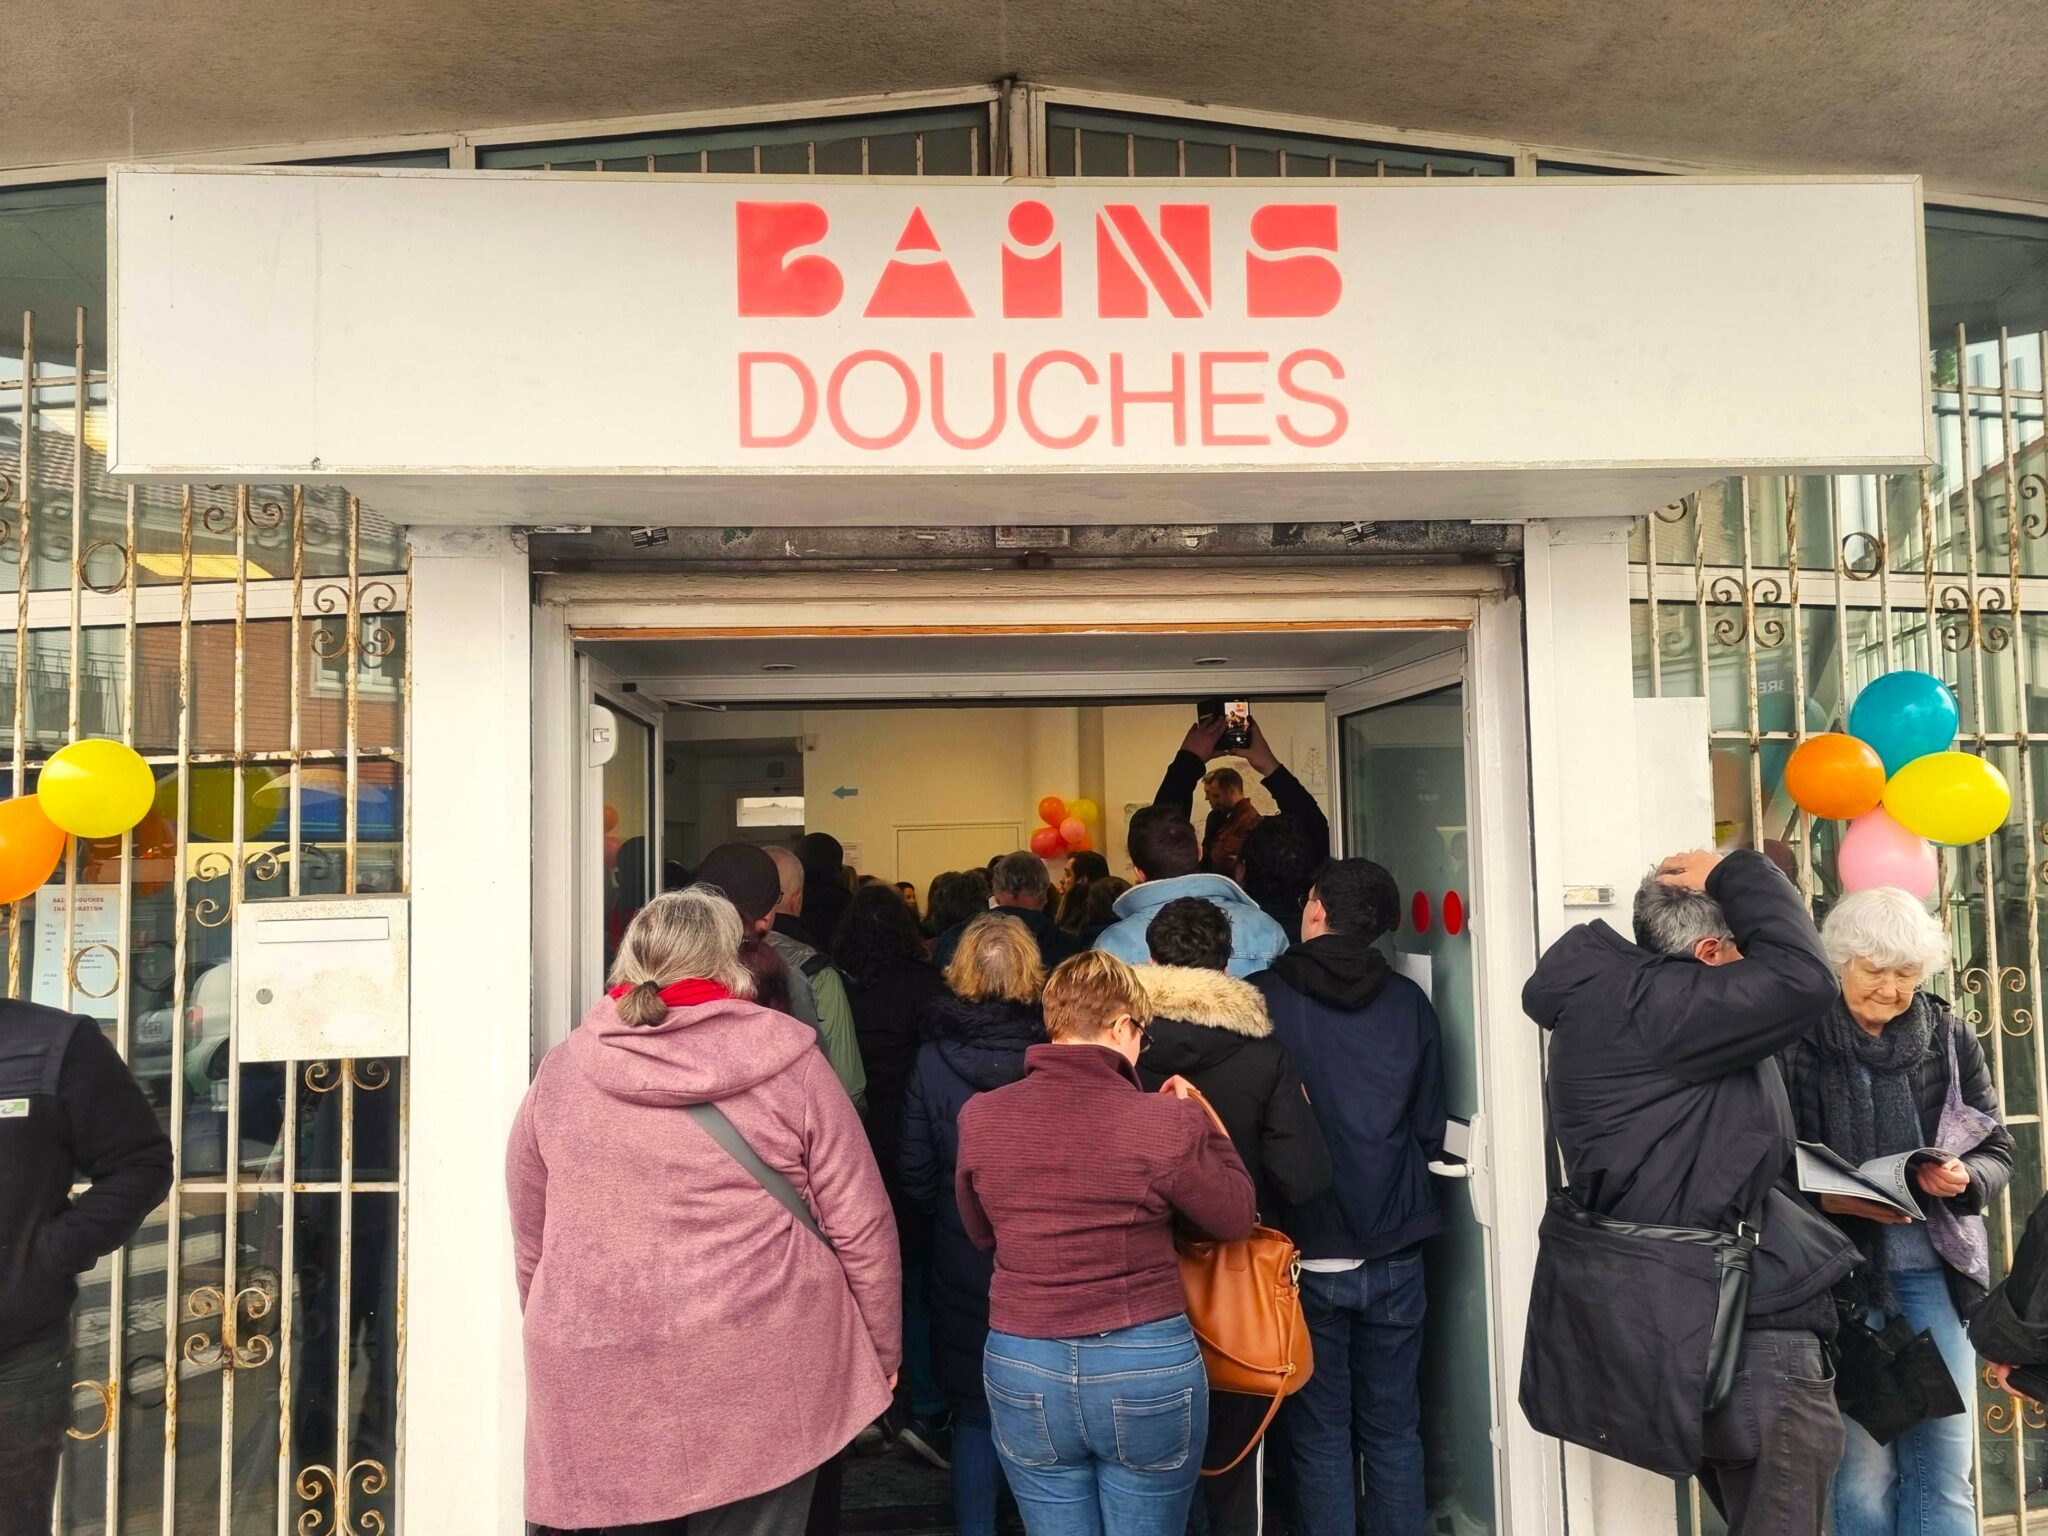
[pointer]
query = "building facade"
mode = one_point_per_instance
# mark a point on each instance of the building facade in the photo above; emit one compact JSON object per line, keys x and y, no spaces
{"x":348,"y":692}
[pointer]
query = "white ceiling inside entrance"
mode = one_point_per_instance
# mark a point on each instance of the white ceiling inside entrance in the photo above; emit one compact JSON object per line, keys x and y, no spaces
{"x":1016,"y":666}
{"x":1951,"y":91}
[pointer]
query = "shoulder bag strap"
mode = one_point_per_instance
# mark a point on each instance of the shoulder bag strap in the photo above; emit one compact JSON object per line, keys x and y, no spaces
{"x":711,"y":1119}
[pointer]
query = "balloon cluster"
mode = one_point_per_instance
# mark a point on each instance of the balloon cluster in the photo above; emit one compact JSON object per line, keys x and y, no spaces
{"x":1896,"y":781}
{"x":91,"y":789}
{"x":1069,"y":826}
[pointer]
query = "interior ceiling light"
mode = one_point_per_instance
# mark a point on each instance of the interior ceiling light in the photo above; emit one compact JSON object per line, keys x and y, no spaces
{"x":1212,"y":661}
{"x":779,"y":666}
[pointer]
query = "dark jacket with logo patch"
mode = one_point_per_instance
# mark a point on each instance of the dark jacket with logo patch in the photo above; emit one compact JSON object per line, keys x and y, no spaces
{"x":68,"y":1106}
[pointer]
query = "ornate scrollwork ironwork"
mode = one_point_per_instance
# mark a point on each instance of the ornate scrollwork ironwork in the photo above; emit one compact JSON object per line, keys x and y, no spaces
{"x":367,"y":1477}
{"x":265,"y":863}
{"x":1873,"y":550}
{"x":215,"y":518}
{"x":1732,"y":629}
{"x":2033,"y":487}
{"x":1978,"y":983}
{"x":71,"y":970}
{"x":120,"y":582}
{"x":107,"y":1392}
{"x":1677,"y":511}
{"x":330,"y":640}
{"x":267,"y":515}
{"x":230,"y":1352}
{"x":2009,"y":1411}
{"x":367,"y":1076}
{"x":1983,"y":618}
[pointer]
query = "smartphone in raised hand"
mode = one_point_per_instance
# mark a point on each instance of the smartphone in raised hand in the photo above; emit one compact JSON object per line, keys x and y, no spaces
{"x":1237,"y":725}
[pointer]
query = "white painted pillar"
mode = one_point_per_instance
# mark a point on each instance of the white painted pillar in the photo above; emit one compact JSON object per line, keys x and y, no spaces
{"x":1583,"y":798}
{"x":472,"y":871}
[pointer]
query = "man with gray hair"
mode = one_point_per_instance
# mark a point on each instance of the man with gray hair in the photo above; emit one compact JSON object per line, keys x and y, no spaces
{"x":1022,"y":887}
{"x":1669,"y":1111}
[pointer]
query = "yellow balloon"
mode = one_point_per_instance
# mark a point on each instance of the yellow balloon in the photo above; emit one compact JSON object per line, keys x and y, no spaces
{"x":211,"y":797}
{"x":1949,"y":797}
{"x":1086,"y":809}
{"x":96,"y":788}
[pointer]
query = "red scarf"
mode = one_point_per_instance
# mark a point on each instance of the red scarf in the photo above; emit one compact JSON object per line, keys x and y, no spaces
{"x":687,"y":993}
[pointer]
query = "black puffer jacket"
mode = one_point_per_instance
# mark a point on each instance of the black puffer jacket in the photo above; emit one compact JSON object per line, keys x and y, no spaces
{"x":2012,"y":1327}
{"x":1665,"y":1093}
{"x":973,"y":1047}
{"x":889,"y":1021}
{"x":1213,"y":1030}
{"x":1990,"y":1164}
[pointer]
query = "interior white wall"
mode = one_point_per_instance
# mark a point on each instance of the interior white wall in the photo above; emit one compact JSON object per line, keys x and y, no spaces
{"x":933,"y":767}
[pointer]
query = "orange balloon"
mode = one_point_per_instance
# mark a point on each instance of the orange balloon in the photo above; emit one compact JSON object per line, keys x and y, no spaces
{"x":1045,"y":842}
{"x":1835,"y":776}
{"x":611,"y":818}
{"x":156,"y":845}
{"x":30,"y":846}
{"x":1052,"y":810}
{"x":1082,"y":844}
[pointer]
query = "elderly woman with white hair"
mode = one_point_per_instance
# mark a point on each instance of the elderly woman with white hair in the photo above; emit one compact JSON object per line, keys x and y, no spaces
{"x":1889,"y":1069}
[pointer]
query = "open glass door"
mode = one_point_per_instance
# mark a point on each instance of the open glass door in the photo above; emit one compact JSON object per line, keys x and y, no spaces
{"x":620,"y":819}
{"x":1399,"y":744}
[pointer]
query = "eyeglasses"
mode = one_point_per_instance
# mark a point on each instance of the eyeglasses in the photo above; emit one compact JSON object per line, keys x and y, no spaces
{"x":1144,"y":1034}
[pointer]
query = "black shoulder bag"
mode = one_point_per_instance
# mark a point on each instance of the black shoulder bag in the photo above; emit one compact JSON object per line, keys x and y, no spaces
{"x":1635,"y":1331}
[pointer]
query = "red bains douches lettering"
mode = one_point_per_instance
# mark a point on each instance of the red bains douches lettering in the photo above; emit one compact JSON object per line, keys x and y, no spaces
{"x":1060,"y":399}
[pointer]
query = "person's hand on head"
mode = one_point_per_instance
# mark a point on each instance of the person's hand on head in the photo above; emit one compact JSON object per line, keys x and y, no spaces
{"x":1867,"y":1210}
{"x":1944,"y":1181}
{"x":1203,"y":736}
{"x":1689,"y":870}
{"x":1261,"y":756}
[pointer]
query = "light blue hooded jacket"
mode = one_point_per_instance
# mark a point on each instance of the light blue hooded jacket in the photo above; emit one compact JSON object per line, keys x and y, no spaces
{"x":1255,"y":939}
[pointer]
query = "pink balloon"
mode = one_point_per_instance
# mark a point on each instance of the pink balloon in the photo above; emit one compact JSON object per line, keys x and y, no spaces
{"x":1074,"y":831}
{"x":1877,"y":851}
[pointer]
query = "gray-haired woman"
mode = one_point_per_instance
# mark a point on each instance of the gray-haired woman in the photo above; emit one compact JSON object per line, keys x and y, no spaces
{"x":1889,"y":1069}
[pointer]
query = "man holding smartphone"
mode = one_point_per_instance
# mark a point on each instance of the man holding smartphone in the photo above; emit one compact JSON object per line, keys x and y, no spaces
{"x":1226,"y":728}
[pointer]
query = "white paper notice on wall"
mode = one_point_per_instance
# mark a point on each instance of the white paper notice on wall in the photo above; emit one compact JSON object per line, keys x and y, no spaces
{"x":1418,"y":969}
{"x":95,"y":950}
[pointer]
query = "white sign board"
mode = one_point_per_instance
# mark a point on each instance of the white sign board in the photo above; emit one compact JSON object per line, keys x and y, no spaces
{"x":93,"y":987}
{"x":504,"y":346}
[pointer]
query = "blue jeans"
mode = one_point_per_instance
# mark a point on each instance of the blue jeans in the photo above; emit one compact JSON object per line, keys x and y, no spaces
{"x":1919,"y":1485}
{"x":1364,"y":1401}
{"x":1103,"y":1433}
{"x":977,"y":1473}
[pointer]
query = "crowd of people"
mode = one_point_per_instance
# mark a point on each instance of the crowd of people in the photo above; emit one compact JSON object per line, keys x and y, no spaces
{"x":944,"y":1163}
{"x":988,"y":1273}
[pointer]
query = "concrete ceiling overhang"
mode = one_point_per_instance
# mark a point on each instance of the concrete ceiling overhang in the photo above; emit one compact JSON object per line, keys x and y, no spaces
{"x":1949,"y":89}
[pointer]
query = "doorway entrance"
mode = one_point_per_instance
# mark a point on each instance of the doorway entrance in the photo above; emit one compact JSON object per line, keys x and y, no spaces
{"x":927,"y":749}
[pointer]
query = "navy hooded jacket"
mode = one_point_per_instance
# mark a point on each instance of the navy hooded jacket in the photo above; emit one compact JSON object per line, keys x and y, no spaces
{"x":1367,"y":1043}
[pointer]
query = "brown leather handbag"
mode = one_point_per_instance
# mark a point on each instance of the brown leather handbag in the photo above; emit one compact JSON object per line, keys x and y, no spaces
{"x":1244,"y":1301}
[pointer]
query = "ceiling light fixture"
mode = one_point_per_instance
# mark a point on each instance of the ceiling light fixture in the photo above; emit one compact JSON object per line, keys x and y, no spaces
{"x":1212,"y":661}
{"x":779,"y":666}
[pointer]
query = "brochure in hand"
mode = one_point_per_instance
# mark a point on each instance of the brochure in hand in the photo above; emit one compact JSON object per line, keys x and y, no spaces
{"x":1884,"y":1181}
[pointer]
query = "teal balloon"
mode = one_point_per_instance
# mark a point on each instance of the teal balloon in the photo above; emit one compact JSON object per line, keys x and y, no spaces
{"x":1904,"y":716}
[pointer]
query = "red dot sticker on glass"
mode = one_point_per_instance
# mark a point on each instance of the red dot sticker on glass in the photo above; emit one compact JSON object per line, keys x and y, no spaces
{"x":1454,"y":913}
{"x":1420,"y":912}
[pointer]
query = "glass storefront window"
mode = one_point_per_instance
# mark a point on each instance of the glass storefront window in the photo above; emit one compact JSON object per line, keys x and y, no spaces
{"x":946,"y":141}
{"x":1082,"y":141}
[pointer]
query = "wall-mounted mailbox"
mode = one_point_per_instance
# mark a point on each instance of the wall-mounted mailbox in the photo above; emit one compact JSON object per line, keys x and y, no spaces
{"x":323,"y":976}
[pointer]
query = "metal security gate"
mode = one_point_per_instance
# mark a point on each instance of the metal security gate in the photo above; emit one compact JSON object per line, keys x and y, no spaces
{"x":238,"y":1365}
{"x":1778,"y":599}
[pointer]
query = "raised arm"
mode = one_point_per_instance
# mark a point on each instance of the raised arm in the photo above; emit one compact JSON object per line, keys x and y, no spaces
{"x":1184,"y":773}
{"x":1290,"y":795}
{"x":1704,"y":1021}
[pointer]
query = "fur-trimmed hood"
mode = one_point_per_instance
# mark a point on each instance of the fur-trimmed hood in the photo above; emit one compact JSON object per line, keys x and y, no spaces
{"x":1211,"y":999}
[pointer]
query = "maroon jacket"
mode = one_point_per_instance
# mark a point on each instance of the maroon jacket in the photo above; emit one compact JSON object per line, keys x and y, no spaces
{"x":1074,"y":1177}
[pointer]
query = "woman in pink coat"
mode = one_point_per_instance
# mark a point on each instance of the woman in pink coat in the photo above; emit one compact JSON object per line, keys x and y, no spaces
{"x":692,"y":1349}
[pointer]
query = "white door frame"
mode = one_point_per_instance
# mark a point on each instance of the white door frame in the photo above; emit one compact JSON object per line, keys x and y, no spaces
{"x":1505,"y":1200}
{"x":1490,"y":661}
{"x":598,"y":683}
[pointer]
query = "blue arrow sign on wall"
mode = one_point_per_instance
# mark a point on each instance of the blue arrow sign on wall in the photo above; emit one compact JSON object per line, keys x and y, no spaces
{"x":844,"y":793}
